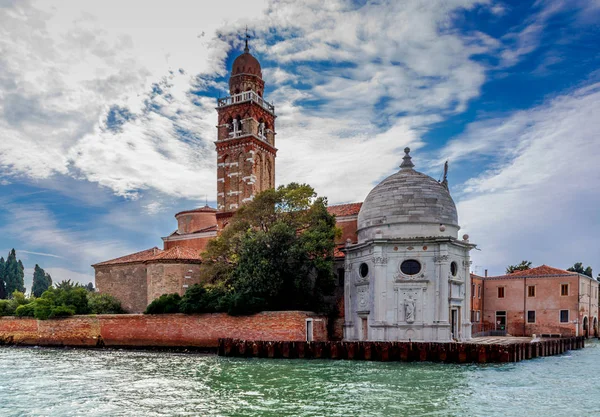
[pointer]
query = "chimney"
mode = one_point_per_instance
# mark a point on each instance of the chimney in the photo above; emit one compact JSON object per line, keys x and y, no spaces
{"x":486,"y":273}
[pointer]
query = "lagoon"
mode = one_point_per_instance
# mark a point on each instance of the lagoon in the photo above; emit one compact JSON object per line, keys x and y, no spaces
{"x":80,"y":382}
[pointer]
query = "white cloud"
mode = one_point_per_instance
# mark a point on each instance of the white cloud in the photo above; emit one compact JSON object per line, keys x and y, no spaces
{"x":545,"y":184}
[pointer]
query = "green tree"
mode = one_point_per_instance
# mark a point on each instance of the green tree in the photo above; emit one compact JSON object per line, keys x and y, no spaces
{"x":276,"y":254}
{"x":165,"y":304}
{"x":578,"y":267}
{"x":89,"y":287}
{"x":14,"y":274}
{"x":523,"y":266}
{"x":41,"y":281}
{"x":3,"y":293}
{"x":103,"y":304}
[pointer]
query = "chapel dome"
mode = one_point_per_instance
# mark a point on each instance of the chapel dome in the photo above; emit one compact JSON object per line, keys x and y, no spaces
{"x":246,"y":64}
{"x":408,"y":204}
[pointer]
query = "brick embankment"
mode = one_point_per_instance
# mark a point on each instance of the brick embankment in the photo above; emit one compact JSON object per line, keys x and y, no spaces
{"x":158,"y":331}
{"x":400,"y":351}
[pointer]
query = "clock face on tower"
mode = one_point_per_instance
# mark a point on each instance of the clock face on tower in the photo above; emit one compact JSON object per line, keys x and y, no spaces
{"x":246,"y":137}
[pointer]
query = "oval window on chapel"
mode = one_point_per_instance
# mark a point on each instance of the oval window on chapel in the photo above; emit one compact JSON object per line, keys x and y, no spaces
{"x":363,"y":270}
{"x":453,"y":269}
{"x":410,"y":267}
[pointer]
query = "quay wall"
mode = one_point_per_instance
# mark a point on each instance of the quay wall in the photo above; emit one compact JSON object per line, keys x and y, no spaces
{"x":401,"y":351}
{"x":164,"y":330}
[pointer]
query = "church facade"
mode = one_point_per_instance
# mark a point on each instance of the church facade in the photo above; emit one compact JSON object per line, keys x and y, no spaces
{"x":400,"y":268}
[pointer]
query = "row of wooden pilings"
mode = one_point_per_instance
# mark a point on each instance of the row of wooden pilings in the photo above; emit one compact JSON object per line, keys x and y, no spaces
{"x":400,"y":351}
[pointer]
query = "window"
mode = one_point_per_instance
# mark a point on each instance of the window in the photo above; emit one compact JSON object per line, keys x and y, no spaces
{"x":363,"y":270}
{"x":472,"y":290}
{"x":531,"y":316}
{"x":472,"y":315}
{"x":341,"y":274}
{"x":410,"y":267}
{"x":453,"y":269}
{"x":478,"y":316}
{"x":479,"y":291}
{"x":531,"y":291}
{"x":564,"y":316}
{"x":564,"y":289}
{"x":500,"y":292}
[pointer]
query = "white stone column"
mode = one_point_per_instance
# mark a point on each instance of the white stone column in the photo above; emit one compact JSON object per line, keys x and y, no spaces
{"x":443,"y":267}
{"x":466,"y":319}
{"x":378,"y":283}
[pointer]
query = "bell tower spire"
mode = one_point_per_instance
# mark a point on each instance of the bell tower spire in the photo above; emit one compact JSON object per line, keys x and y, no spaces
{"x":245,"y":138}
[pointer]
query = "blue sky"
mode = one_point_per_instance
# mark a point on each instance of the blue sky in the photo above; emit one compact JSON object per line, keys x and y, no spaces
{"x":107,"y":116}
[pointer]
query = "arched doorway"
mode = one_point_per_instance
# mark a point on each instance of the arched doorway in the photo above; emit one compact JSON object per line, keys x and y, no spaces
{"x":595,"y":326}
{"x":586,"y":331}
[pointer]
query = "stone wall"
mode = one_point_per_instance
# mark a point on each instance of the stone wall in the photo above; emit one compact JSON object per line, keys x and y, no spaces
{"x":127,"y":282}
{"x":172,"y":330}
{"x":166,"y":278}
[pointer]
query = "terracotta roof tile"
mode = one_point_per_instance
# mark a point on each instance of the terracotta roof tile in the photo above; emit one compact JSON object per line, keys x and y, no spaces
{"x":205,"y":209}
{"x":340,"y":210}
{"x":132,"y":258}
{"x":542,"y":270}
{"x":178,"y":253}
{"x":337,"y":253}
{"x":538,"y":271}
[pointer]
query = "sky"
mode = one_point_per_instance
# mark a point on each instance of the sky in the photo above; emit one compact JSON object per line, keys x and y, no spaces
{"x":107,"y":116}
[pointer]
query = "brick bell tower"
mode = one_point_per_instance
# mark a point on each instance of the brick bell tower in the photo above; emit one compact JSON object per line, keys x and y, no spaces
{"x":246,"y":138}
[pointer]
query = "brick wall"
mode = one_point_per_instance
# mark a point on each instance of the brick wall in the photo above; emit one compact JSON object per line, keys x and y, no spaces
{"x":173,"y":330}
{"x":127,"y":283}
{"x":167,"y":278}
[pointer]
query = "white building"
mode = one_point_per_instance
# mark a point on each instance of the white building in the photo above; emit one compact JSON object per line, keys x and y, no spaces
{"x":407,"y":278}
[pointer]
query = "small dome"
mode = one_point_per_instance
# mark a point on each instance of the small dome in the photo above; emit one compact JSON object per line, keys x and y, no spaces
{"x":406,"y":198}
{"x":246,"y":64}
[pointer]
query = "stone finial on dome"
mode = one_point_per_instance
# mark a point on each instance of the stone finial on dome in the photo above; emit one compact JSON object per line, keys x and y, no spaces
{"x":406,"y":160}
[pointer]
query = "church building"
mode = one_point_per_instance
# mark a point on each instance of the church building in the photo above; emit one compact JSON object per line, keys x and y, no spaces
{"x":401,"y":270}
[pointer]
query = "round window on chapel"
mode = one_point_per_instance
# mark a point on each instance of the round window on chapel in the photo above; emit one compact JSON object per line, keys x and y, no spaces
{"x":410,"y":267}
{"x":363,"y":270}
{"x":453,"y":269}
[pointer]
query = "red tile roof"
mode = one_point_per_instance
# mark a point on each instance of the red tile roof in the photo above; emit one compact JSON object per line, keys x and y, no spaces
{"x":341,"y":210}
{"x":337,"y":253}
{"x":142,"y":256}
{"x":178,"y":253}
{"x":538,"y":271}
{"x":542,"y":270}
{"x":205,"y":209}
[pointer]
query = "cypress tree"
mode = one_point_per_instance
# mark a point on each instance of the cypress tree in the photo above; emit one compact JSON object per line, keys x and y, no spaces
{"x":41,"y":281}
{"x":14,"y":274}
{"x":2,"y":283}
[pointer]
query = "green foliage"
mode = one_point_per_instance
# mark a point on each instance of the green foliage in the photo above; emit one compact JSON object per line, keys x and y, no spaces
{"x":205,"y":299}
{"x":13,"y":274}
{"x":276,"y":254}
{"x":578,"y":267}
{"x":90,"y":287}
{"x":26,"y":310}
{"x":62,"y":311}
{"x":7,"y":308}
{"x":103,"y":304}
{"x":523,"y":266}
{"x":165,"y":304}
{"x":41,"y":281}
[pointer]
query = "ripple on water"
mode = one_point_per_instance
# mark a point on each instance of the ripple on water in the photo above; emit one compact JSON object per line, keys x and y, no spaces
{"x":69,"y":382}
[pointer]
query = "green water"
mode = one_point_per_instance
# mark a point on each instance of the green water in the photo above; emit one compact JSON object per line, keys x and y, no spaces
{"x":69,"y":382}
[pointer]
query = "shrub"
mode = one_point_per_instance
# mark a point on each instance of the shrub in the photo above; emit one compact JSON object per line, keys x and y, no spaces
{"x":62,"y":311}
{"x":7,"y":308}
{"x":104,"y":304}
{"x":42,"y":308}
{"x":165,"y":304}
{"x":26,"y":310}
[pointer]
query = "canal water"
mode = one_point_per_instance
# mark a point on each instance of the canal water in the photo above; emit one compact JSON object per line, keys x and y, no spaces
{"x":71,"y":382}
